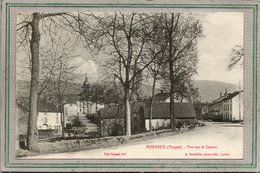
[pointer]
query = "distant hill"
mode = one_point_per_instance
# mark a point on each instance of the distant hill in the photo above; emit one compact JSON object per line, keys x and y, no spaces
{"x":23,"y":89}
{"x":210,"y":90}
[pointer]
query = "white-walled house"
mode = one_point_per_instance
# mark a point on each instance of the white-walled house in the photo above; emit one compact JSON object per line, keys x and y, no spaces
{"x":113,"y":117}
{"x":89,"y":107}
{"x":75,"y":107}
{"x":237,"y":107}
{"x":70,"y":111}
{"x":228,"y":107}
{"x":183,"y":111}
{"x":49,"y":117}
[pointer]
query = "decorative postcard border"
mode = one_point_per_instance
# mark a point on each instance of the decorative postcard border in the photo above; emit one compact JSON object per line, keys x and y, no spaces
{"x":8,"y":164}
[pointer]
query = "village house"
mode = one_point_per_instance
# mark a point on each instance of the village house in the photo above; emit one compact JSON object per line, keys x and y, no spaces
{"x":112,"y":119}
{"x":48,"y":122}
{"x":71,"y":108}
{"x":49,"y":117}
{"x":74,"y":106}
{"x":89,"y":107}
{"x":228,"y":107}
{"x":184,"y":113}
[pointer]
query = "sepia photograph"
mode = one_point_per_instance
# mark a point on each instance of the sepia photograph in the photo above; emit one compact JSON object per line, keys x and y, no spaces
{"x":135,"y":86}
{"x":129,"y":85}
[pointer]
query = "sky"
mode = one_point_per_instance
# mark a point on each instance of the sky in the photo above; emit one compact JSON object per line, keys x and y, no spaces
{"x":222,"y":31}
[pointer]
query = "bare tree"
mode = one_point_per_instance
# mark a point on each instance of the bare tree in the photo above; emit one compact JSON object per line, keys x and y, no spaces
{"x":113,"y":92}
{"x":180,"y":33}
{"x":122,"y":38}
{"x":184,"y":69}
{"x":156,"y":69}
{"x":236,"y":56}
{"x":63,"y":74}
{"x":29,"y":29}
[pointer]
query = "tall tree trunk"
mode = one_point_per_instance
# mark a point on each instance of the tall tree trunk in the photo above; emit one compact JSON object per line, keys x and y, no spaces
{"x":172,"y":115}
{"x":127,"y":111}
{"x":171,"y":61}
{"x":62,"y":118}
{"x":151,"y":104}
{"x":32,"y":133}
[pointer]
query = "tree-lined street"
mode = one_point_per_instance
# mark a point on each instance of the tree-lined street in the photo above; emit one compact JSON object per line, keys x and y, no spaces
{"x":129,"y":44}
{"x":127,"y":50}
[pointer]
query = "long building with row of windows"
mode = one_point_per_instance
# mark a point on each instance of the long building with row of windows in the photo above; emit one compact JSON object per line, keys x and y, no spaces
{"x":228,"y":107}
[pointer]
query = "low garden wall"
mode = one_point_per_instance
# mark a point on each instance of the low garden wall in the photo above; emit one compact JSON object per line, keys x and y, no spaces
{"x":86,"y":144}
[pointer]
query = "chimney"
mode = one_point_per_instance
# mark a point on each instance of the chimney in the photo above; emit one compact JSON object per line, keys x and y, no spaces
{"x":220,"y":94}
{"x":162,"y":91}
{"x":226,"y":92}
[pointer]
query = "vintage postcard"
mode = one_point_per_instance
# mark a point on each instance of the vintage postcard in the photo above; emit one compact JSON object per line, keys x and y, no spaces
{"x":129,"y":86}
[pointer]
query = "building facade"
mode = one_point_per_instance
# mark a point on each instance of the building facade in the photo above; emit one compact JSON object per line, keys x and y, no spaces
{"x":228,"y":107}
{"x":112,"y":119}
{"x":75,"y":107}
{"x":49,"y":118}
{"x":184,"y":113}
{"x":89,"y":107}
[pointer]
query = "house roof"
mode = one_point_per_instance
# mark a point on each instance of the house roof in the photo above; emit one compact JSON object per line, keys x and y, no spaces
{"x":226,"y":97}
{"x":232,"y":95}
{"x":161,"y":97}
{"x":72,"y":98}
{"x":43,"y":106}
{"x":160,"y":110}
{"x":119,"y":110}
